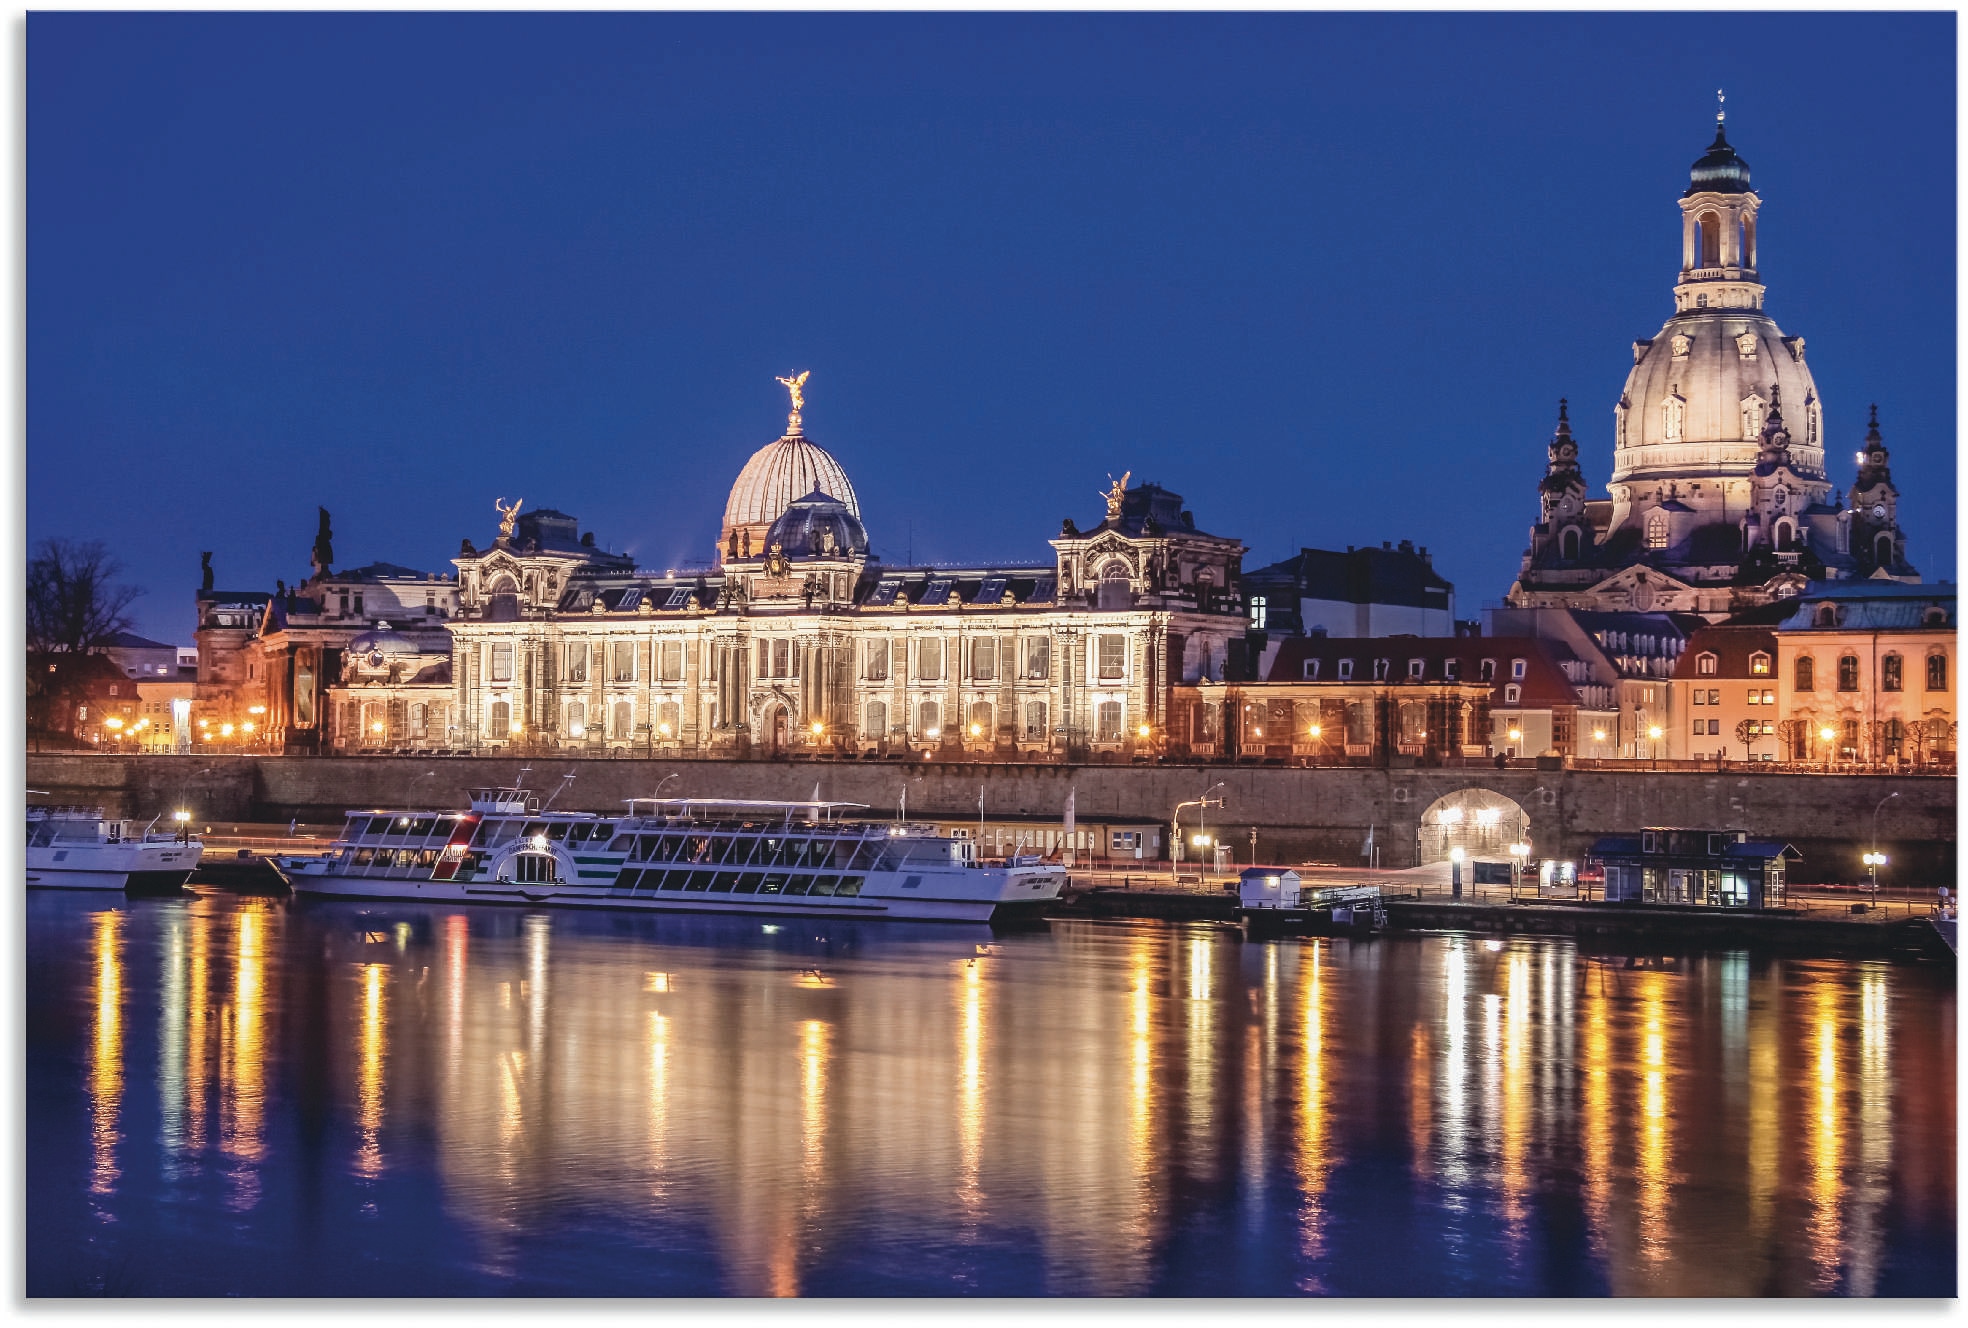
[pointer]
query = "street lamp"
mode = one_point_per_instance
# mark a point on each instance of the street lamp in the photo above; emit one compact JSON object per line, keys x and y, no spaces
{"x":1455,"y":872}
{"x":183,"y":818}
{"x":1175,"y":824}
{"x":1655,"y":734}
{"x":1875,"y":846}
{"x":1873,"y":862}
{"x":1825,"y":736}
{"x":1518,"y":853}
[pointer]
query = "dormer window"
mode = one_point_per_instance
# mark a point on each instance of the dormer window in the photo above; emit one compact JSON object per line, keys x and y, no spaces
{"x":1487,"y":671}
{"x":1346,"y":670}
{"x":1416,"y":669}
{"x":1517,"y":668}
{"x":1451,"y":669}
{"x":1380,"y":669}
{"x":1657,"y":531}
{"x":1759,"y":665}
{"x":1312,"y":670}
{"x":1512,"y":693}
{"x":1827,"y":616}
{"x":1705,"y":664}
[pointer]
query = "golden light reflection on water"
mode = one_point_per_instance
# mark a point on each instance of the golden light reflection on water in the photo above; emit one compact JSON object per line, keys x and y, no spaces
{"x":106,"y":1052}
{"x":1654,"y":1154}
{"x":1596,"y":1114}
{"x":242,"y":1085}
{"x":1514,"y":1172}
{"x":1825,"y":1136}
{"x":373,"y":1043}
{"x":970,"y":1090}
{"x":1314,"y":1159}
{"x":963,"y":1098}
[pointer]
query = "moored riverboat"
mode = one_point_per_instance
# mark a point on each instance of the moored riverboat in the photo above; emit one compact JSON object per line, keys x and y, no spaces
{"x":677,"y":854}
{"x":76,"y":848}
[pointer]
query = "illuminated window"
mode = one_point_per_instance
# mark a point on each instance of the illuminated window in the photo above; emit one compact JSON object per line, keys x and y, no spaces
{"x":1848,"y":673}
{"x":502,"y":661}
{"x":1759,"y":665}
{"x":577,"y":662}
{"x":1035,"y":721}
{"x":1107,"y":722}
{"x":621,"y":661}
{"x":927,"y":720}
{"x":981,"y":726}
{"x":1937,"y":673}
{"x":1889,"y":674}
{"x":1038,"y":657}
{"x":1657,"y":531}
{"x":1257,"y":609}
{"x":1113,"y":657}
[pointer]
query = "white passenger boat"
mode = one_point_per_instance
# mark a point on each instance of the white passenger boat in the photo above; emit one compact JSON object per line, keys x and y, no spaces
{"x":697,"y":855}
{"x":74,"y":848}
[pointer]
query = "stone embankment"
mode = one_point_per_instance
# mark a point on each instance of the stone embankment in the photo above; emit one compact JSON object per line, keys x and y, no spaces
{"x":1320,"y":815}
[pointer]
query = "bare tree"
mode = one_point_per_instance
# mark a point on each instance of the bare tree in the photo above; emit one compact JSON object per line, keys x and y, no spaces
{"x":74,"y":602}
{"x":1747,"y":731}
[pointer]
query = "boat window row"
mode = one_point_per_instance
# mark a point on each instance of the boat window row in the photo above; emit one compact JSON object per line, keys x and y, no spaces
{"x":389,"y":861}
{"x":636,"y":882}
{"x":492,"y":833}
{"x":408,"y":828}
{"x":748,"y":850}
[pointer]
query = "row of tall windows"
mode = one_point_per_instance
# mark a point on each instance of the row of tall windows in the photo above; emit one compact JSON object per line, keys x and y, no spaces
{"x":990,"y":657}
{"x":1892,"y":673}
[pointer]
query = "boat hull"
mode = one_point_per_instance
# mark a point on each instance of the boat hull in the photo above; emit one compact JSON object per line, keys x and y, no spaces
{"x":133,"y":868}
{"x":872,"y":902}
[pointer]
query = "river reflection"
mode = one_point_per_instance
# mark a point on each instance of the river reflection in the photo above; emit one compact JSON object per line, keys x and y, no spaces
{"x":252,"y":1096}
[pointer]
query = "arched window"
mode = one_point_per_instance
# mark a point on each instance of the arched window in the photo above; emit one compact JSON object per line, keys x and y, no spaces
{"x":1035,"y":721}
{"x":877,"y":728}
{"x":1708,"y":236}
{"x":503,"y":606}
{"x":928,"y":720}
{"x":1107,"y":722}
{"x":980,"y":728}
{"x":1759,"y":665}
{"x":1890,"y":674}
{"x":1848,"y":673}
{"x":375,"y":731}
{"x":1807,"y":674}
{"x":577,"y":720}
{"x":1937,"y":673}
{"x":1657,"y":531}
{"x":1893,"y":737}
{"x":1827,"y":616}
{"x":669,"y":721}
{"x":1705,"y":664}
{"x":1786,"y":537}
{"x":1882,"y":549}
{"x":620,"y":716}
{"x":1568,"y":543}
{"x":1114,"y":592}
{"x":1674,"y":414}
{"x":502,"y":725}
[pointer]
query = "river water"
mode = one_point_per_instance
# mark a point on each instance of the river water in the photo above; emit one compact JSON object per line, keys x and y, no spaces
{"x":254,"y":1096}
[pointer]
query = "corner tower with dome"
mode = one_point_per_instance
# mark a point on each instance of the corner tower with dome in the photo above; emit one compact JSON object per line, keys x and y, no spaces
{"x":1719,"y":499}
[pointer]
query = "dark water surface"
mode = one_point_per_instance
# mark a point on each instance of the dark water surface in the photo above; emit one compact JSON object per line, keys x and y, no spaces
{"x":249,"y":1096}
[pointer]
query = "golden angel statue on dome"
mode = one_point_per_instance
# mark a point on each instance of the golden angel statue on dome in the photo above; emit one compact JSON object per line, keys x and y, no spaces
{"x":508,"y":516}
{"x":1116,"y":494}
{"x":797,"y":387}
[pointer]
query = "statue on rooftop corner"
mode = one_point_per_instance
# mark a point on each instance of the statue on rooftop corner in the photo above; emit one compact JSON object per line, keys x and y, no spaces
{"x":508,"y":516}
{"x":205,"y":571}
{"x":1116,"y":494}
{"x":323,"y":555}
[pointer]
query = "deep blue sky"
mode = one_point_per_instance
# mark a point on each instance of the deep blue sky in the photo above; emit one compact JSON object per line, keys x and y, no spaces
{"x":1324,"y":274}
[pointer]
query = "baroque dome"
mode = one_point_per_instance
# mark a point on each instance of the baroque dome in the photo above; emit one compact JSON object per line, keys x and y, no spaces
{"x":818,"y":526}
{"x":1699,"y":392}
{"x":778,"y":475}
{"x":382,"y":641}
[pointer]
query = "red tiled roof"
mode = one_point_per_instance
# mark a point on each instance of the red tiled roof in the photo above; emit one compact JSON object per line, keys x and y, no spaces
{"x":1732,"y":647}
{"x":1544,"y":682}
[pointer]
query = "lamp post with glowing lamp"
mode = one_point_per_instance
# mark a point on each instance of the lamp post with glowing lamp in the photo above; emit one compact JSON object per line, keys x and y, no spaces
{"x":1519,"y":852}
{"x":1873,"y":862}
{"x":1654,"y":735}
{"x":1825,"y":735}
{"x":1455,"y":872}
{"x":183,"y":818}
{"x":1175,"y":824}
{"x":1876,"y":859}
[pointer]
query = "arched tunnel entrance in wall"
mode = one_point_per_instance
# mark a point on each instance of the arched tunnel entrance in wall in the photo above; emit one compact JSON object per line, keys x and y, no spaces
{"x":1479,"y":821}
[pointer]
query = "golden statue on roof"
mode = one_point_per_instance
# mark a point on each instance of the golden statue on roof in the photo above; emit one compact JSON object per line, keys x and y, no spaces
{"x":508,"y":516}
{"x":796,"y":386}
{"x":1116,"y":494}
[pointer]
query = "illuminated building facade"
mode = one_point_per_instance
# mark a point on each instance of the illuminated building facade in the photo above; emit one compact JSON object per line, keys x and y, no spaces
{"x":800,"y":638}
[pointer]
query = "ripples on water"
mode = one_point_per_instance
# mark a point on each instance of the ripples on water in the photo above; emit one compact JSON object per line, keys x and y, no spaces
{"x":250,"y":1096}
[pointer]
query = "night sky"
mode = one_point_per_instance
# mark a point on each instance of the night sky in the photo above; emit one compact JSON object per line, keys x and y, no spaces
{"x":1326,"y":275}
